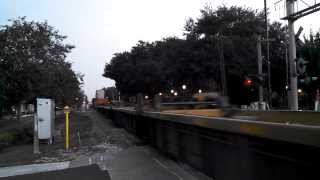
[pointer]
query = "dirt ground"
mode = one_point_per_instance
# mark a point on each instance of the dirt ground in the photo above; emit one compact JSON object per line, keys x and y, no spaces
{"x":89,"y":133}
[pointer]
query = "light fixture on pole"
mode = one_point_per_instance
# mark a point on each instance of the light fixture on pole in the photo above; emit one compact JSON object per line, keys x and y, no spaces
{"x":184,"y":87}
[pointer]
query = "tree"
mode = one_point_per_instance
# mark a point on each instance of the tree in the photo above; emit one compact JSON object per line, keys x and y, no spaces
{"x":156,"y":67}
{"x":33,"y":63}
{"x":112,"y":93}
{"x":136,"y":71}
{"x":3,"y":98}
{"x":310,"y":52}
{"x":230,"y":32}
{"x":237,"y":28}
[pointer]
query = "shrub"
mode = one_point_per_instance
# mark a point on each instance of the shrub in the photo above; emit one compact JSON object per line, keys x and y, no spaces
{"x":7,"y":138}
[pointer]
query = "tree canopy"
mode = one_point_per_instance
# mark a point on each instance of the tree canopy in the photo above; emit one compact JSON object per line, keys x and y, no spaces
{"x":152,"y":67}
{"x":33,"y":64}
{"x":310,"y":80}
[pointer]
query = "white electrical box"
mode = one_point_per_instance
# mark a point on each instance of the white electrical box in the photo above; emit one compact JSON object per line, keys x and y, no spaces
{"x":46,"y":118}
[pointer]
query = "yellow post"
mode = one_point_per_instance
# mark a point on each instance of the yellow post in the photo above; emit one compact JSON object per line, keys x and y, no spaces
{"x":67,"y":130}
{"x":66,"y":110}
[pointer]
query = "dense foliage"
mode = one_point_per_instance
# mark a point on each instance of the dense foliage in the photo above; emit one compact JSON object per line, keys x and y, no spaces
{"x":32,"y":64}
{"x":153,"y":67}
{"x":167,"y":64}
{"x":309,"y":81}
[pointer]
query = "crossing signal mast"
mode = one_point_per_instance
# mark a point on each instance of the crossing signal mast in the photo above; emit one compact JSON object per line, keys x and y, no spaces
{"x":296,"y":9}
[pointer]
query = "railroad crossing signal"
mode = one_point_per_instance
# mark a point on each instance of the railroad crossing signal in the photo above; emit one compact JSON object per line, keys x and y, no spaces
{"x":301,"y":66}
{"x":292,"y":16}
{"x":247,"y":82}
{"x":254,"y":79}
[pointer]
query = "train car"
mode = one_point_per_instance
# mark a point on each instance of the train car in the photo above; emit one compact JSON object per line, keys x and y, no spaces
{"x":100,"y":102}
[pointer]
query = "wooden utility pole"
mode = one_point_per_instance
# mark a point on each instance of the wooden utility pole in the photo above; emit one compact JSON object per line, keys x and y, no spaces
{"x":268,"y":52}
{"x":260,"y":73}
{"x":223,"y":78}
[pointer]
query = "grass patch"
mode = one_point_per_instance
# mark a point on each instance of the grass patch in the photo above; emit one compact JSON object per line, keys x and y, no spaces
{"x":306,"y":118}
{"x":15,"y":136}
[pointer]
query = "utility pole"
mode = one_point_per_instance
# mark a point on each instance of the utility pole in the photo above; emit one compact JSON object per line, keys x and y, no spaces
{"x":268,"y":52}
{"x":287,"y":76}
{"x":260,"y":74}
{"x":293,"y":91}
{"x":287,"y":67}
{"x":222,"y":68}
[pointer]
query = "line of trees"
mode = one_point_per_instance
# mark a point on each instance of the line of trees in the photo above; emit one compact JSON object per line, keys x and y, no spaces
{"x":33,"y":64}
{"x":153,"y":67}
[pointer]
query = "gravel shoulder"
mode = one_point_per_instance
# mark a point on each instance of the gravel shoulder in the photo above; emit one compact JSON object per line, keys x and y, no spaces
{"x":89,"y":133}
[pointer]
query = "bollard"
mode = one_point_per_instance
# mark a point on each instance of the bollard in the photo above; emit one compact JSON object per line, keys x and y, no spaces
{"x":67,"y":131}
{"x":66,"y":111}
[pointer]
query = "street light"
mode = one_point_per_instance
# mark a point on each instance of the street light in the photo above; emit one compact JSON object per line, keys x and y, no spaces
{"x":146,"y":97}
{"x":299,"y":90}
{"x":199,"y":91}
{"x":184,"y":87}
{"x":175,"y":94}
{"x":160,"y":93}
{"x":172,"y":91}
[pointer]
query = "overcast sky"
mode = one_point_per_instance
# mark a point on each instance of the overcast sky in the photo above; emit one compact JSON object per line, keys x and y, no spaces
{"x":100,"y":28}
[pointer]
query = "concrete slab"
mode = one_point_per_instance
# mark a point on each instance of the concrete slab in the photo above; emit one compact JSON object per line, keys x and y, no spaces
{"x":139,"y":162}
{"x":32,"y":168}
{"x":136,"y":164}
{"x":145,"y":163}
{"x":79,"y":173}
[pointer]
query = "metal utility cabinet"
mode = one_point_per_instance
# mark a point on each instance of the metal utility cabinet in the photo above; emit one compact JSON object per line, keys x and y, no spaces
{"x":46,"y":117}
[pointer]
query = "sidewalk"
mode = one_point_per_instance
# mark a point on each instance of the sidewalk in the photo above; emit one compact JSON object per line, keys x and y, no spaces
{"x":141,"y":163}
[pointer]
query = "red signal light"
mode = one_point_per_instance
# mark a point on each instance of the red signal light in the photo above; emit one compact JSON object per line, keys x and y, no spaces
{"x":248,"y":82}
